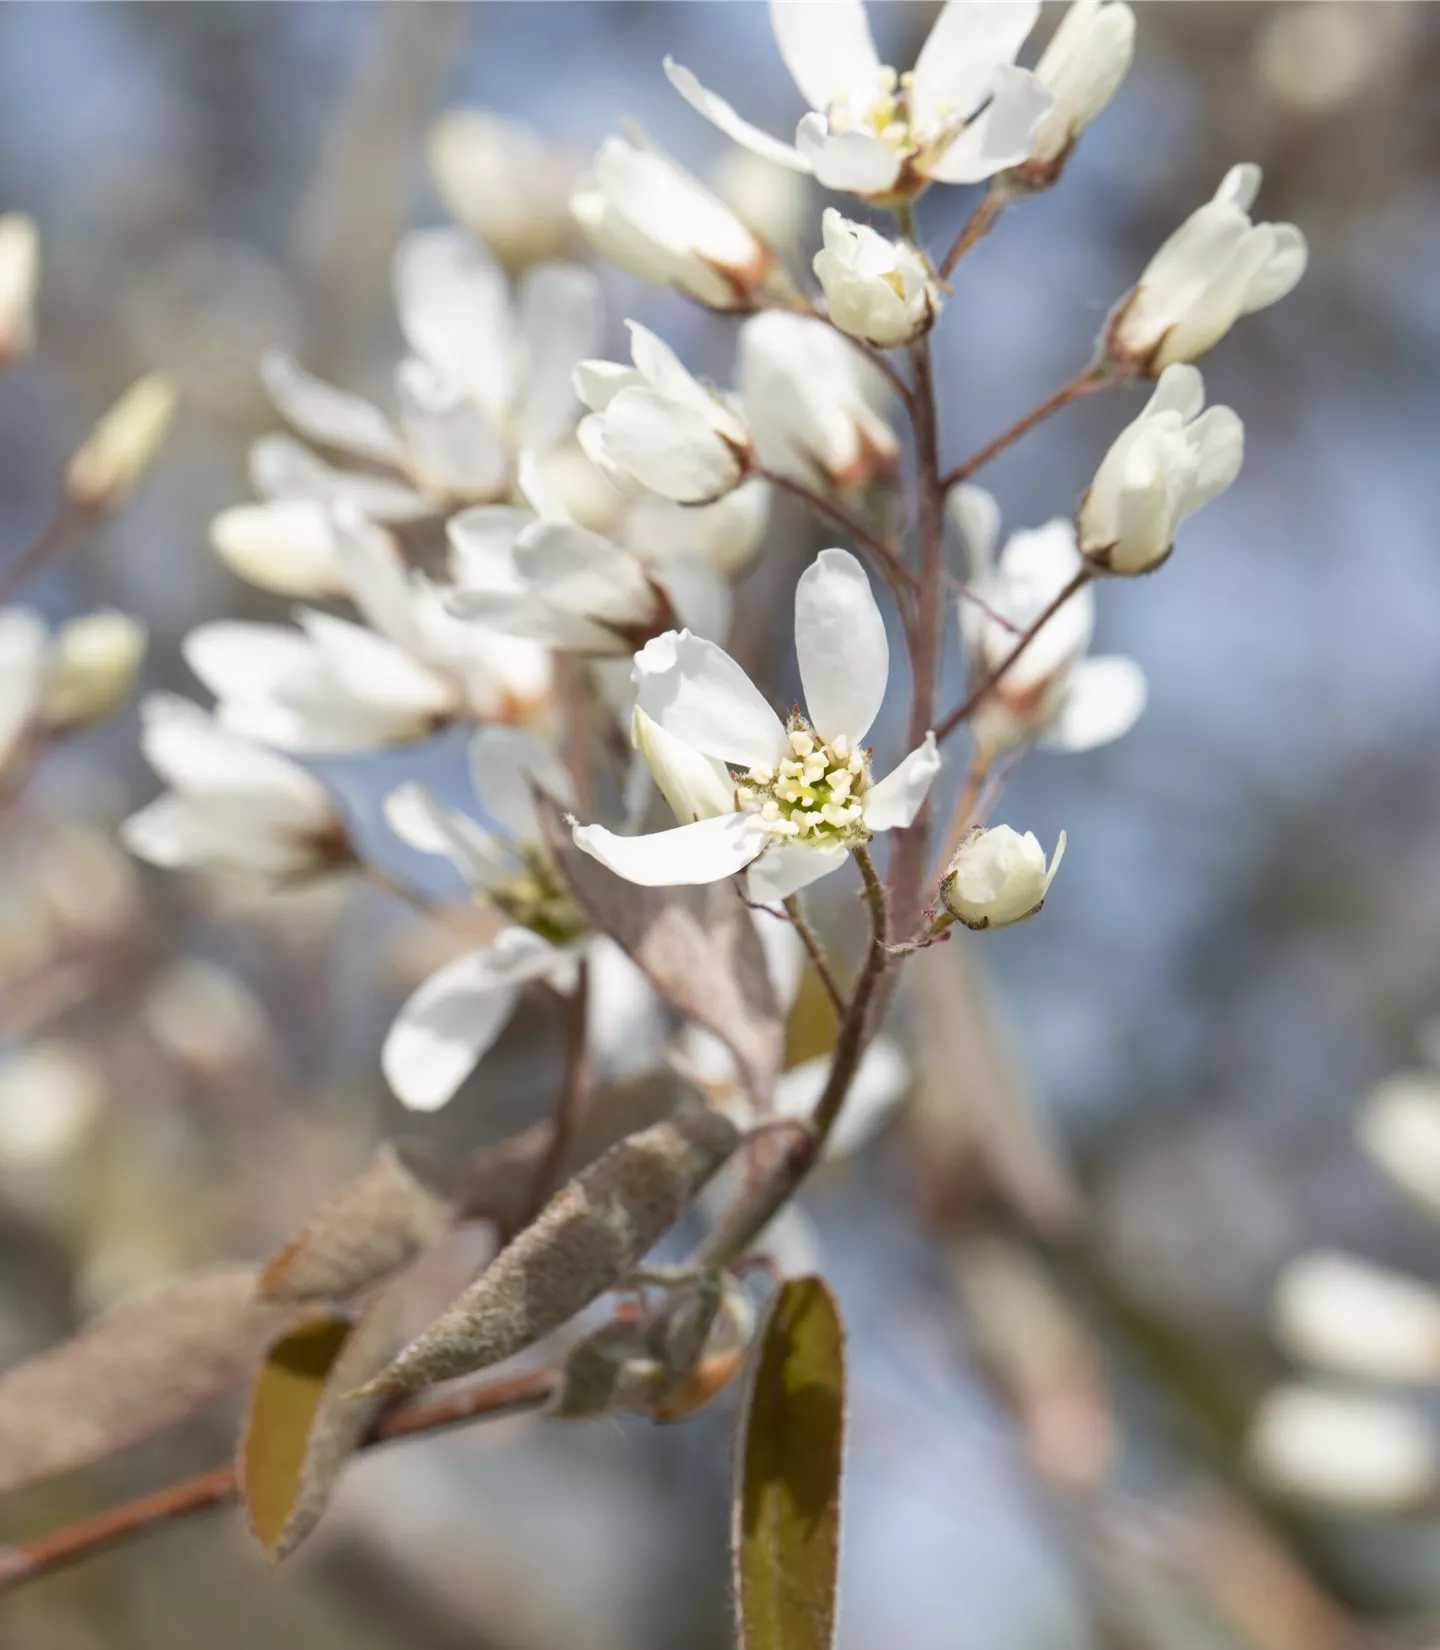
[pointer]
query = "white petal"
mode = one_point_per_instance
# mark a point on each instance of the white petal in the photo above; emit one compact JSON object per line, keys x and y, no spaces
{"x":284,"y":468}
{"x":455,"y":446}
{"x":1103,"y":699}
{"x":482,"y":541}
{"x":719,"y":113}
{"x":454,"y":307}
{"x":525,"y":616}
{"x":236,"y":659}
{"x":699,"y":595}
{"x":827,"y":47}
{"x":376,"y":672}
{"x":1219,"y":439}
{"x":1345,"y":1450}
{"x":785,"y":871}
{"x":696,"y":691}
{"x":560,"y":323}
{"x":377,"y":577}
{"x":582,"y":573}
{"x":179,"y":833}
{"x":447,"y":1025}
{"x":707,"y":851}
{"x":727,"y":533}
{"x":893,"y":803}
{"x":327,"y":415}
{"x":879,"y":1084}
{"x":505,"y":765}
{"x":1001,"y":135}
{"x":977,"y":520}
{"x":597,"y":383}
{"x":671,"y":449}
{"x":286,"y":546}
{"x":1282,"y":269}
{"x":955,"y":70}
{"x":423,"y":822}
{"x":853,"y":162}
{"x":840,"y":642}
{"x":625,"y":1022}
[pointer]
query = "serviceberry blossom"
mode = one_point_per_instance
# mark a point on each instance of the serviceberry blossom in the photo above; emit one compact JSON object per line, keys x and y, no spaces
{"x":655,"y":428}
{"x":1216,"y":267}
{"x":1054,"y":695}
{"x":232,"y":807}
{"x":451,"y":1021}
{"x":1159,"y":470}
{"x":963,"y":113}
{"x":802,"y":795}
{"x":56,"y":681}
{"x":1082,"y":66}
{"x":876,"y":290}
{"x":998,"y":877}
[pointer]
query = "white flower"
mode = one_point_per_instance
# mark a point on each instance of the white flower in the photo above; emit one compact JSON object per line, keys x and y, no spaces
{"x":964,"y":113}
{"x":645,"y":213}
{"x":653,"y":427}
{"x":1399,"y":1128}
{"x":998,"y":877}
{"x":809,"y":401}
{"x":1341,"y":1450}
{"x":803,"y":795}
{"x":94,"y":661}
{"x":1087,"y":58}
{"x":1351,"y":1318}
{"x":488,"y":376}
{"x":1161,"y":468}
{"x":536,"y":573}
{"x":1216,"y":267}
{"x":876,"y":289}
{"x":727,"y":533}
{"x":507,"y":186}
{"x":231,"y":806}
{"x":52,"y":1094}
{"x":1053,"y":695}
{"x":109,"y":463}
{"x":19,"y":278}
{"x":333,"y":685}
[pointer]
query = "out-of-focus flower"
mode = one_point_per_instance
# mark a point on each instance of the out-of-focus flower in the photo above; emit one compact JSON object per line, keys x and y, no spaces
{"x":804,"y":796}
{"x":51,"y":1096}
{"x":19,"y":281}
{"x":644,"y":212}
{"x":1400,"y":1129}
{"x":1216,"y":267}
{"x":809,"y":401}
{"x":207,"y":1018}
{"x":962,"y":114}
{"x":89,"y":887}
{"x":998,"y":877}
{"x":1053,"y":695}
{"x":333,"y":685}
{"x":108,"y":464}
{"x":231,"y":806}
{"x":772,"y":200}
{"x":1087,"y":57}
{"x":1315,"y":57}
{"x":1350,"y":1318}
{"x":1356,"y":1454}
{"x":536,"y":573}
{"x":1161,"y":468}
{"x":94,"y":661}
{"x":653,"y":427}
{"x":726,"y":534}
{"x":504,"y":183}
{"x":876,"y":289}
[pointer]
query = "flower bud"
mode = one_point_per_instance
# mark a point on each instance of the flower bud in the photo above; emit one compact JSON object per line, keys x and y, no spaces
{"x":19,"y":278}
{"x":1083,"y":65}
{"x":1161,"y":468}
{"x":118,"y":451}
{"x":286,"y":545}
{"x":1399,"y":1128}
{"x":696,"y":786}
{"x":504,"y":183}
{"x":1216,"y":267}
{"x":877,"y":289}
{"x":998,"y":877}
{"x":94,"y":663}
{"x":1351,"y":1453}
{"x":1351,"y":1318}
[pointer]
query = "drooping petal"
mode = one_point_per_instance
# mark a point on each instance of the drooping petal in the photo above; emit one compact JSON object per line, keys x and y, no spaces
{"x":879,"y":1084}
{"x":505,"y":765}
{"x":1281,"y":271}
{"x":446,"y":1026}
{"x":854,"y":162}
{"x":329,"y":416}
{"x":892,"y":804}
{"x":560,"y":321}
{"x":454,"y":306}
{"x":696,"y":691}
{"x":1001,"y":135}
{"x":707,"y":851}
{"x":970,"y":40}
{"x":827,"y":47}
{"x":840,"y":643}
{"x":719,"y":113}
{"x":1104,"y":697}
{"x":424,"y":823}
{"x":784,"y":871}
{"x":1219,"y":440}
{"x":695,"y":785}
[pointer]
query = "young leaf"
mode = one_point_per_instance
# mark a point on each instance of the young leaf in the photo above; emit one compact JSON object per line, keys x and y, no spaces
{"x":697,"y":946}
{"x":786,"y":1531}
{"x":404,"y":1202}
{"x":146,"y":1364}
{"x":584,"y":1241}
{"x":302,"y":1428}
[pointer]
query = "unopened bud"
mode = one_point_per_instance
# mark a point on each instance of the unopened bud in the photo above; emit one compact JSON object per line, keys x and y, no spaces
{"x":695,"y":785}
{"x":1344,"y":1451}
{"x":19,"y":278}
{"x":110,"y":462}
{"x":877,"y":290}
{"x":998,"y":877}
{"x":96,"y":661}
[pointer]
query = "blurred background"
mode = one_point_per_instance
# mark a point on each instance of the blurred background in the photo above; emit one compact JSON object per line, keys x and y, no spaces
{"x":1246,"y":935}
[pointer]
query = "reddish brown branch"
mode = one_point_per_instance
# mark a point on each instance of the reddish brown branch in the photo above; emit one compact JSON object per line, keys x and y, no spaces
{"x":1093,"y":378}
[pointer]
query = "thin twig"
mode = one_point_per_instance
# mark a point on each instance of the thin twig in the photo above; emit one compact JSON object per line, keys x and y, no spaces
{"x":28,"y":1560}
{"x":574,"y":1086}
{"x":1094,"y":377}
{"x":811,"y":942}
{"x":57,"y":536}
{"x":886,"y":554}
{"x":966,"y":708}
{"x":982,"y":220}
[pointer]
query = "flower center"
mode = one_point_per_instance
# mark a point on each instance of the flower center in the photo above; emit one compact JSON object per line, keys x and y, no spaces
{"x":536,"y":899}
{"x":815,"y":796}
{"x":886,"y":115}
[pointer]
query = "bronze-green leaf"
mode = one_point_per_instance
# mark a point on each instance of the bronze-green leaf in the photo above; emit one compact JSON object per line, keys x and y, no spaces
{"x":303,"y":1425}
{"x":787,"y":1475}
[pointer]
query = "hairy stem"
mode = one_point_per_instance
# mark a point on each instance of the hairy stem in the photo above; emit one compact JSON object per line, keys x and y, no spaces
{"x":1095,"y":377}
